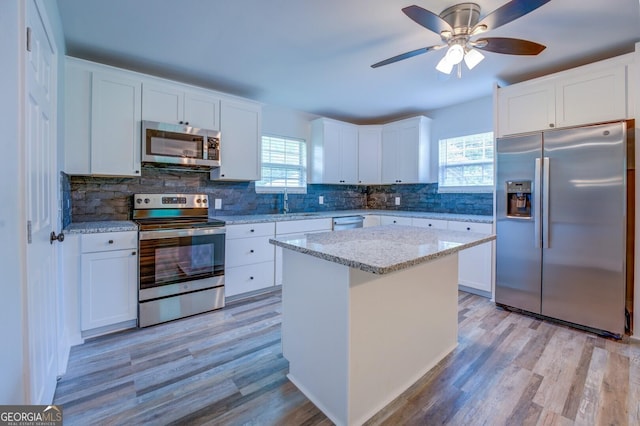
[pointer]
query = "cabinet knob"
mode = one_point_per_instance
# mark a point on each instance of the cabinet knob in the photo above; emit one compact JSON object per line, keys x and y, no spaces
{"x":429,"y":224}
{"x":186,"y":122}
{"x":250,"y":278}
{"x":110,"y":241}
{"x":251,"y":251}
{"x":468,"y":229}
{"x":253,"y":230}
{"x":551,"y":125}
{"x":137,"y":172}
{"x":180,"y":122}
{"x":133,"y":253}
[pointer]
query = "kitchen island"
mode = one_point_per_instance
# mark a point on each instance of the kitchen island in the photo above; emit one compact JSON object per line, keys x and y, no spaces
{"x":367,"y":312}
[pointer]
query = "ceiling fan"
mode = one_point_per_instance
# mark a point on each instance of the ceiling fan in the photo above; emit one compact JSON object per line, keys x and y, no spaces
{"x":458,"y":27}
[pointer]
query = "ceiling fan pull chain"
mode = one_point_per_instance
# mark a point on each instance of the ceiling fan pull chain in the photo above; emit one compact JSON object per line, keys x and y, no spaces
{"x":459,"y":69}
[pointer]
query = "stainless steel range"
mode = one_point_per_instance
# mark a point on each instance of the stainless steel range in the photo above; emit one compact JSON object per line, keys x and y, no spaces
{"x":181,"y":266}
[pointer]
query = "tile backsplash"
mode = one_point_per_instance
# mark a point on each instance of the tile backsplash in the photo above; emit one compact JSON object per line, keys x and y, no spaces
{"x":89,"y":198}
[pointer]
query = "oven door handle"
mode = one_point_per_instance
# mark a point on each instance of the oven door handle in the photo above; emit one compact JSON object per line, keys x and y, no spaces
{"x":177,"y":233}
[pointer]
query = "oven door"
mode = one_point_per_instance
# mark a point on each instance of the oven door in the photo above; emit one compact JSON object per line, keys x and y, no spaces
{"x":176,"y":261}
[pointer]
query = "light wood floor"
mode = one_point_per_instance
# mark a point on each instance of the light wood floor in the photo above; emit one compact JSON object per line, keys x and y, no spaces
{"x":226,"y":367}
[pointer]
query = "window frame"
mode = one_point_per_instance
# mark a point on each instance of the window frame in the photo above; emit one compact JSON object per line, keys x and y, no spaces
{"x":467,"y":188}
{"x":301,"y":168}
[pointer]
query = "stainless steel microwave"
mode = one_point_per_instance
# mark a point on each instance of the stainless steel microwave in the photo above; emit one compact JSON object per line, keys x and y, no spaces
{"x":179,"y":144}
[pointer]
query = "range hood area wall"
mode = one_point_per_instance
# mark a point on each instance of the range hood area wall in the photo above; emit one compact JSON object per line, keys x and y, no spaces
{"x":88,"y":198}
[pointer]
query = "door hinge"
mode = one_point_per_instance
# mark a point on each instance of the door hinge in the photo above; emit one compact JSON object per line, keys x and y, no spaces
{"x":29,"y":232}
{"x":28,"y":39}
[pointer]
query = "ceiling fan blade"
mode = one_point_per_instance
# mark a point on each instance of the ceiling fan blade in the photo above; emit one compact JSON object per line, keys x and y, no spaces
{"x":406,"y":55}
{"x":509,"y":46}
{"x":427,"y":19}
{"x":509,"y":12}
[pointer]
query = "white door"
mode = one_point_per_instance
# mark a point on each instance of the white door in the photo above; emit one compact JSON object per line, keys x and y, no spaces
{"x":41,"y":202}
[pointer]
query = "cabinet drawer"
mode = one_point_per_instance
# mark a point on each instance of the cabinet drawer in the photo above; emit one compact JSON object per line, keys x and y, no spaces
{"x":245,"y":251}
{"x":250,"y":230}
{"x":303,"y":226}
{"x":430,"y":223}
{"x":395,"y":220}
{"x":483,"y":228}
{"x":107,"y":241}
{"x":248,"y":278}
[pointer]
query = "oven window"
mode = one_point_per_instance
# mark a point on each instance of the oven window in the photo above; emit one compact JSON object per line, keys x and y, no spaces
{"x":173,"y":260}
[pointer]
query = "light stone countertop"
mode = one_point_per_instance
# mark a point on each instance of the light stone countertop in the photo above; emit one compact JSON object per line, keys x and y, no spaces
{"x":277,"y":217}
{"x":100,"y":226}
{"x":382,"y":249}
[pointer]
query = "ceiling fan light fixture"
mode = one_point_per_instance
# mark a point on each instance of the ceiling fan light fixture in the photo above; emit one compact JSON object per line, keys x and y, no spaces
{"x":455,"y":54}
{"x":444,"y":66}
{"x":473,"y":58}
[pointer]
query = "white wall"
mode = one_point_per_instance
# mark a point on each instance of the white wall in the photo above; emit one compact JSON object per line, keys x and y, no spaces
{"x":12,"y":355}
{"x":279,"y":121}
{"x":474,"y":116}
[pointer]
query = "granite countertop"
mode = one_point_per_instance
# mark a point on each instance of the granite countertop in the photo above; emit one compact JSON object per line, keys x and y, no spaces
{"x":100,"y":226}
{"x":257,"y":218}
{"x":383,"y":249}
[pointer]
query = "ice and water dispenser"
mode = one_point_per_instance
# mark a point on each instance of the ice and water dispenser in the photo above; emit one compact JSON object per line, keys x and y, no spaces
{"x":519,"y":199}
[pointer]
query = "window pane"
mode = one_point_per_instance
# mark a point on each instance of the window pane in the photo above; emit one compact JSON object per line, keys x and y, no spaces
{"x":466,"y":161}
{"x":284,"y":163}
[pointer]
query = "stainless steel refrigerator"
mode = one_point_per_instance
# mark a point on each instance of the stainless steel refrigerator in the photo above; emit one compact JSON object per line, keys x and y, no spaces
{"x":561,"y":224}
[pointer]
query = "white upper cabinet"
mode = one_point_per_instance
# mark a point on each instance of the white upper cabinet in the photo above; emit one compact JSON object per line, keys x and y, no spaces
{"x":240,"y":141}
{"x":172,"y":103}
{"x":102,"y":120}
{"x":589,"y":94}
{"x":369,"y":155}
{"x":334,"y":152}
{"x":405,"y":151}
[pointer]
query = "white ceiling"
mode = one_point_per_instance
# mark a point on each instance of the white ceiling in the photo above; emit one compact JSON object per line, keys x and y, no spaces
{"x":315,"y":56}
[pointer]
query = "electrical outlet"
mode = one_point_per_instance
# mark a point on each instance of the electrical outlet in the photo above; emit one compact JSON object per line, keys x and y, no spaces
{"x":397,"y":201}
{"x":321,"y":199}
{"x":217,"y":204}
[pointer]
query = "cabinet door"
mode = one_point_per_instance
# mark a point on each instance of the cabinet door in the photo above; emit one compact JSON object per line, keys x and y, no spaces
{"x":349,"y":154}
{"x":77,"y":120}
{"x":390,"y":140}
{"x":331,"y":152}
{"x":239,"y":141}
{"x":163,"y":103}
{"x":525,"y":108}
{"x":202,"y":110}
{"x":591,"y":98}
{"x":109,"y":288}
{"x":407,"y":155}
{"x":248,"y":278}
{"x":371,"y":220}
{"x":474,"y":264}
{"x":369,"y":155}
{"x":115,"y":125}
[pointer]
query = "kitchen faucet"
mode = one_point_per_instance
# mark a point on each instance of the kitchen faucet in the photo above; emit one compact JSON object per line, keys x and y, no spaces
{"x":285,"y":202}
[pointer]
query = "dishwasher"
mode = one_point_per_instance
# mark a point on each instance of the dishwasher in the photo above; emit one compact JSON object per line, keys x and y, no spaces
{"x":347,"y":222}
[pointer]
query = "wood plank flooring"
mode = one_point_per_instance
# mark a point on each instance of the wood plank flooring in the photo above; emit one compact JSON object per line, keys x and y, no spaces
{"x":226,"y":368}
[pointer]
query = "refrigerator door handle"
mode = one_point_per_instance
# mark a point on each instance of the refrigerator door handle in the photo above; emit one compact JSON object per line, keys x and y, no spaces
{"x":537,"y":231}
{"x":545,"y":203}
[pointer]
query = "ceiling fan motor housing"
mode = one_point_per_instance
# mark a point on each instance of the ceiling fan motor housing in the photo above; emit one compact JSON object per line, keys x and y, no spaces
{"x":462,"y":17}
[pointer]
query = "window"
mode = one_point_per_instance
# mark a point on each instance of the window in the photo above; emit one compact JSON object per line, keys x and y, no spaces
{"x":466,"y":163}
{"x":284,"y":165}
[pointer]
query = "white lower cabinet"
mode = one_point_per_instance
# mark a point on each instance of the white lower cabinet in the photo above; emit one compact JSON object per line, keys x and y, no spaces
{"x":109,"y":280}
{"x":248,"y":258}
{"x":475,"y":263}
{"x":292,"y":227}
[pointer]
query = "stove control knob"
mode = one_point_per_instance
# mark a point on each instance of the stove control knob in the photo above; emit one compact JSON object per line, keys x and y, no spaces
{"x":204,"y":200}
{"x":198,"y":201}
{"x":147,"y":201}
{"x":138,"y":200}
